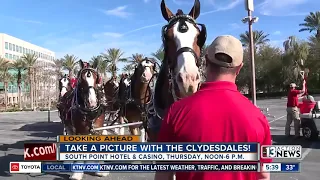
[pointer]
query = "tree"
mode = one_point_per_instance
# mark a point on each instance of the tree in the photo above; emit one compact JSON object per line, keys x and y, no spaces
{"x":30,"y":63}
{"x":97,"y":61}
{"x":69,"y":63}
{"x":159,"y":54}
{"x":259,"y":38}
{"x":135,"y":59}
{"x":128,"y":68}
{"x":112,"y":56}
{"x":296,"y":54}
{"x":312,"y":23}
{"x":5,"y":76}
{"x":19,"y":66}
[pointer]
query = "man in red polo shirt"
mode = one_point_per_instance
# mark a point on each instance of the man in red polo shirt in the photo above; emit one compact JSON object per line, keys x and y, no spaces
{"x":292,"y":109}
{"x":217,"y":113}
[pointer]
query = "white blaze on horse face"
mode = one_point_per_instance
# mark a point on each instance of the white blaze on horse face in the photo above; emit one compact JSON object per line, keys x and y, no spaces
{"x":147,"y":73}
{"x":126,"y":82}
{"x":64,"y":83}
{"x":92,"y":93}
{"x":186,"y":63}
{"x":116,"y":83}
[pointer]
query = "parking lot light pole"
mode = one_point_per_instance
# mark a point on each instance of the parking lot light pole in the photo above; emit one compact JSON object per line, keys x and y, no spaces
{"x":249,"y":7}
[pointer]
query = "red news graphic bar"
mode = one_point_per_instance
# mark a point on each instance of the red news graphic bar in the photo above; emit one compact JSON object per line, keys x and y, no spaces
{"x":40,"y":151}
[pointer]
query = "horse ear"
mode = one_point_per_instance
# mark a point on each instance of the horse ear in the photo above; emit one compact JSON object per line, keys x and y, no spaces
{"x":195,"y":11}
{"x":81,"y":63}
{"x":166,"y":13}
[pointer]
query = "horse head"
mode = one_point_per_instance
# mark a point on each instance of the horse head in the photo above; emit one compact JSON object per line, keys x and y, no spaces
{"x":64,"y":85}
{"x":144,"y":71}
{"x":183,"y":40}
{"x":88,"y":80}
{"x":125,"y":79}
{"x":141,"y":78}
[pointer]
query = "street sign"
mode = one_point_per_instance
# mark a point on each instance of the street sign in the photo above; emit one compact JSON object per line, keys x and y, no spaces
{"x":249,"y":5}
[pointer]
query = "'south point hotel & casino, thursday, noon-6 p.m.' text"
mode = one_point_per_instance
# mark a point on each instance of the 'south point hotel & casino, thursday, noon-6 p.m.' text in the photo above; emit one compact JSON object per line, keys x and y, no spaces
{"x":41,"y":157}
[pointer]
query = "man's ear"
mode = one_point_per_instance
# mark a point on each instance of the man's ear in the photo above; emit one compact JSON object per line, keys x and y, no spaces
{"x":239,"y":68}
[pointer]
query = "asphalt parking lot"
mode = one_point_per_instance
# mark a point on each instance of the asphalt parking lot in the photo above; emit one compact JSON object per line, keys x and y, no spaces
{"x":20,"y":127}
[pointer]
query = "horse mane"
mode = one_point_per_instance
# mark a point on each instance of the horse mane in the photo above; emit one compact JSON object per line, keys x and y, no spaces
{"x":133,"y":79}
{"x":158,"y":99}
{"x":122,"y":89}
{"x":179,"y":12}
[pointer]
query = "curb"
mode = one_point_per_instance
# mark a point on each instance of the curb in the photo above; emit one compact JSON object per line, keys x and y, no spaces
{"x":16,"y":112}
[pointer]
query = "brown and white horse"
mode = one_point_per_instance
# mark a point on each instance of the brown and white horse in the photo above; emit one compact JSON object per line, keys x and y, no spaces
{"x":65,"y":92}
{"x":135,"y":95}
{"x":86,"y":111}
{"x":179,"y":75}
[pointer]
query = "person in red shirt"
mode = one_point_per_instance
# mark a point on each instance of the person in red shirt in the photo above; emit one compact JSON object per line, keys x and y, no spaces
{"x":292,"y":109}
{"x":217,"y":113}
{"x":73,"y":82}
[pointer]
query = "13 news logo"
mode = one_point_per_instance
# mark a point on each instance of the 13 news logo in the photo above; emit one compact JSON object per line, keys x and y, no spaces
{"x":281,"y":151}
{"x":25,"y":167}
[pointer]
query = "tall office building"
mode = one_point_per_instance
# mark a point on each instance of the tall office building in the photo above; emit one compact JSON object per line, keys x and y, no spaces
{"x":12,"y":48}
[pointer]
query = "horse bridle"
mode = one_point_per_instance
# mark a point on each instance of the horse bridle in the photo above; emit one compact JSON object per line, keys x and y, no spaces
{"x":201,"y":40}
{"x":82,"y":109}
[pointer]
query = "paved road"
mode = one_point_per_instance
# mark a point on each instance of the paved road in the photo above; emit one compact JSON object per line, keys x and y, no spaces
{"x":17,"y":128}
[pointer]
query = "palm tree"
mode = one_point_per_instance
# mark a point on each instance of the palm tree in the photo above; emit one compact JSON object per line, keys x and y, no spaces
{"x":128,"y":68}
{"x":69,"y":63}
{"x":58,"y":67}
{"x":113,"y":56}
{"x":259,"y":38}
{"x":20,"y":67}
{"x":97,"y":61}
{"x":159,"y":54}
{"x":312,"y":23}
{"x":4,"y":76}
{"x":135,"y":59}
{"x":30,"y":63}
{"x":314,"y":44}
{"x":296,"y":53}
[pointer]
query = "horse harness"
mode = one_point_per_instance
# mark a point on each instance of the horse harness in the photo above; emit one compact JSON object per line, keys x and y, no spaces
{"x":182,"y":19}
{"x":89,"y":114}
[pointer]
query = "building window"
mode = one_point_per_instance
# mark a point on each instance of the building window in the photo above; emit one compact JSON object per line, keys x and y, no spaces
{"x":10,"y":56}
{"x":7,"y":45}
{"x":31,"y":51}
{"x":20,"y":49}
{"x":10,"y":46}
{"x":7,"y":56}
{"x":14,"y":57}
{"x":13,"y":47}
{"x":17,"y":48}
{"x":24,"y":50}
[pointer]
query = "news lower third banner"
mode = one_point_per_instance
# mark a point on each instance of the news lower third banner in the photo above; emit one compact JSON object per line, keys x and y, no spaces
{"x":159,"y":152}
{"x":41,"y":167}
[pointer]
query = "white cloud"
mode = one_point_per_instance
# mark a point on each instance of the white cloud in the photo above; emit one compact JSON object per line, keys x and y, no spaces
{"x":235,"y":25}
{"x":143,"y":27}
{"x":223,"y":7}
{"x":107,"y":34}
{"x":25,"y":20}
{"x":118,"y":11}
{"x":276,"y":33}
{"x":281,"y":7}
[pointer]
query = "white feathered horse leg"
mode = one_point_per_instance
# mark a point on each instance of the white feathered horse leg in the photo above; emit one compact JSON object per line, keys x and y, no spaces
{"x":103,"y":174}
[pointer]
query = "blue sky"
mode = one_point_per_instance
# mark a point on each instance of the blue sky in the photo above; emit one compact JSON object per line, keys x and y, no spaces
{"x":86,"y":28}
